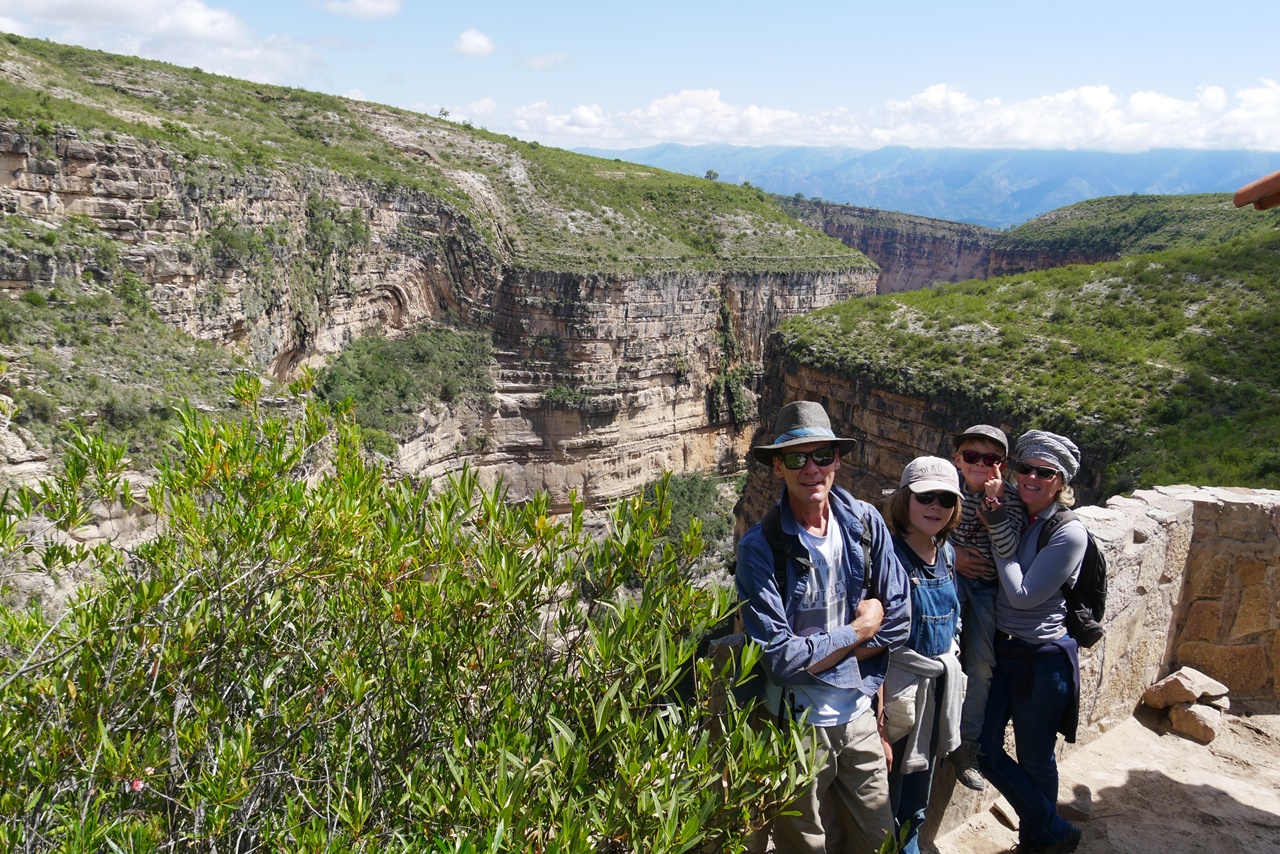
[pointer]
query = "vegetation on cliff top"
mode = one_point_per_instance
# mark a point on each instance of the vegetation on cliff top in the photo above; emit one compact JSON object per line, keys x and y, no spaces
{"x":90,"y":350}
{"x":1167,"y":365}
{"x":311,"y":656}
{"x":539,"y":208}
{"x":1135,"y":224}
{"x":818,"y":213}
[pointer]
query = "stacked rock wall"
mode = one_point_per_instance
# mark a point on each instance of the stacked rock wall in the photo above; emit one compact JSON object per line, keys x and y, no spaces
{"x":1228,"y":621}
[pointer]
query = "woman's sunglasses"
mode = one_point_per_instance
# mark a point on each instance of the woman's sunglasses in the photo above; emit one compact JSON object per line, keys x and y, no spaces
{"x":795,"y":460}
{"x":1042,"y":472}
{"x":946,"y":499}
{"x":973,"y":458}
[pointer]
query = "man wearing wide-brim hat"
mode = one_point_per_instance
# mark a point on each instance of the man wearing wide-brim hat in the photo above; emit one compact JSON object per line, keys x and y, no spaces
{"x":825,"y":631}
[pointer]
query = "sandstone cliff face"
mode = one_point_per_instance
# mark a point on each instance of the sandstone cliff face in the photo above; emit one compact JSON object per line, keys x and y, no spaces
{"x":914,"y":252}
{"x":289,"y":266}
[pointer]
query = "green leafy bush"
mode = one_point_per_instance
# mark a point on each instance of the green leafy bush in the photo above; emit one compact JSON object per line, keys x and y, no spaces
{"x":561,"y":396}
{"x":390,"y":381}
{"x":356,"y":664}
{"x":695,"y":496}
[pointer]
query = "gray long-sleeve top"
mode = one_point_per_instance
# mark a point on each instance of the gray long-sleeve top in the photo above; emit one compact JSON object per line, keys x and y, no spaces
{"x":1030,"y":604}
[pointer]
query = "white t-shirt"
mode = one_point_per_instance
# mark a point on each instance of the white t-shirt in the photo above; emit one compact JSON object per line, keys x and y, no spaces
{"x":824,"y":606}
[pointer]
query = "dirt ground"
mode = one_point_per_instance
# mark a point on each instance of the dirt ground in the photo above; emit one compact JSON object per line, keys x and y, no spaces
{"x":1141,"y":789}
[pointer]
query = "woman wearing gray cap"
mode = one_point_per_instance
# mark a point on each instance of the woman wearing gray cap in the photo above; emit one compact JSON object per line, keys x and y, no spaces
{"x":924,"y":687}
{"x":1036,"y":682}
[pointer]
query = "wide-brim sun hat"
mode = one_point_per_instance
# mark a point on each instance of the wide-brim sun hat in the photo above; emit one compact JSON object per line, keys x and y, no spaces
{"x":931,"y":474}
{"x":801,"y":423}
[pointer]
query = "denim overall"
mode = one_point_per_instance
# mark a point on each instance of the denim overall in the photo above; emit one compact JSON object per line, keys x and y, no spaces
{"x":935,"y":616}
{"x":935,"y":613}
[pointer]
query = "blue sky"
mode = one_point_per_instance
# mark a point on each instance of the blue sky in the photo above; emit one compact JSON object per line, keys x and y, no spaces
{"x":1113,"y":76}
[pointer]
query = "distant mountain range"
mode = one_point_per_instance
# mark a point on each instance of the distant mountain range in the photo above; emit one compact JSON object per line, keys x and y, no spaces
{"x":992,"y":187}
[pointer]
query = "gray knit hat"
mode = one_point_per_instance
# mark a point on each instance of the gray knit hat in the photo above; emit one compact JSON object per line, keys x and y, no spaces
{"x":801,"y":423}
{"x":1058,"y":451}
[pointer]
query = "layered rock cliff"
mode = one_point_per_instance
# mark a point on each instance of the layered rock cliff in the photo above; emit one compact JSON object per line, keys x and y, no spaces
{"x":914,"y":251}
{"x":290,"y":264}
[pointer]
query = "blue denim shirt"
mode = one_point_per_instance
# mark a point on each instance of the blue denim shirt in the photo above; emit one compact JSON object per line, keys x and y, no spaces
{"x":788,"y":656}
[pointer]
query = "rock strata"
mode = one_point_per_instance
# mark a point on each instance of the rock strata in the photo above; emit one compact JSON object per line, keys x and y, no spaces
{"x":290,"y":264}
{"x":915,"y":252}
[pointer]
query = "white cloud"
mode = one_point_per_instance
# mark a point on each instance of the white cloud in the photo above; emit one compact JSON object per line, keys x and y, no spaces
{"x":366,"y":10}
{"x":473,"y":44}
{"x":1086,"y":117}
{"x":356,"y":95}
{"x":545,"y":61}
{"x":482,"y":107}
{"x":9,"y":25}
{"x":186,"y":32}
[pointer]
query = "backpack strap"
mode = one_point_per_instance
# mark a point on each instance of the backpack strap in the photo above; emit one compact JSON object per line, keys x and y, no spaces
{"x":868,"y":569}
{"x":1062,"y":517}
{"x":782,"y":547}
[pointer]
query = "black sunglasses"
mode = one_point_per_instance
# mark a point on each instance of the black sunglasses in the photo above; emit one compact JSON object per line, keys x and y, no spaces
{"x":795,"y":460}
{"x":946,"y":499}
{"x":1042,"y":472}
{"x":975,"y":457}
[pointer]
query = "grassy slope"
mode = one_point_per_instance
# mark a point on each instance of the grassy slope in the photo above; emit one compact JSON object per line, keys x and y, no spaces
{"x":94,"y":346}
{"x":1131,"y":225}
{"x":541,"y":208}
{"x":1167,"y":363}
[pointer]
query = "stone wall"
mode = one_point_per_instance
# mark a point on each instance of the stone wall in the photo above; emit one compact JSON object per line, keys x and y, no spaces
{"x":1228,"y":619}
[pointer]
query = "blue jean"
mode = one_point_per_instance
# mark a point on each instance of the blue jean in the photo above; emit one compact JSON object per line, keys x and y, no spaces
{"x":909,"y":794}
{"x":1031,"y":783}
{"x":978,"y":629}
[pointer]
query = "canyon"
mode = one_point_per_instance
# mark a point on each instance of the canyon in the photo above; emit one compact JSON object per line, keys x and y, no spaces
{"x":642,"y":351}
{"x":915,"y":252}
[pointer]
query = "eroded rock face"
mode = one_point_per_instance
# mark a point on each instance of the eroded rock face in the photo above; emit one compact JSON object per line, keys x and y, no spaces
{"x":291,"y":265}
{"x":914,"y":252}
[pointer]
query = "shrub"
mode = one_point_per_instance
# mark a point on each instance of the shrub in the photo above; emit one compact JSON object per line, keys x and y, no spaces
{"x":695,"y":496}
{"x":364,"y":665}
{"x":390,"y":381}
{"x":561,"y":396}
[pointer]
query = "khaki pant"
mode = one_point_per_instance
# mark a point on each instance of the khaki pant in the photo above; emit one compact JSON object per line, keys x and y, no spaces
{"x":847,"y":808}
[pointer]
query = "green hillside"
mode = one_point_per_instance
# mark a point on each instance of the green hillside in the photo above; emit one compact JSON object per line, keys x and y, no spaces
{"x":90,"y":350}
{"x":1131,"y":225}
{"x":1165,"y":365}
{"x":538,"y":207}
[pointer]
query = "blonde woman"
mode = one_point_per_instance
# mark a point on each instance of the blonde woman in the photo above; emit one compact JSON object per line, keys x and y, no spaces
{"x":1036,"y":681}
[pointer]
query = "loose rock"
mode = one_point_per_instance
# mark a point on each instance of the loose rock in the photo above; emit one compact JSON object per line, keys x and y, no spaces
{"x":1195,"y":721}
{"x":1186,"y":685}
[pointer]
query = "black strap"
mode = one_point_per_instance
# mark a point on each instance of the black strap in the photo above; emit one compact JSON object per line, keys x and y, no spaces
{"x":785,"y":547}
{"x":1056,"y":521}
